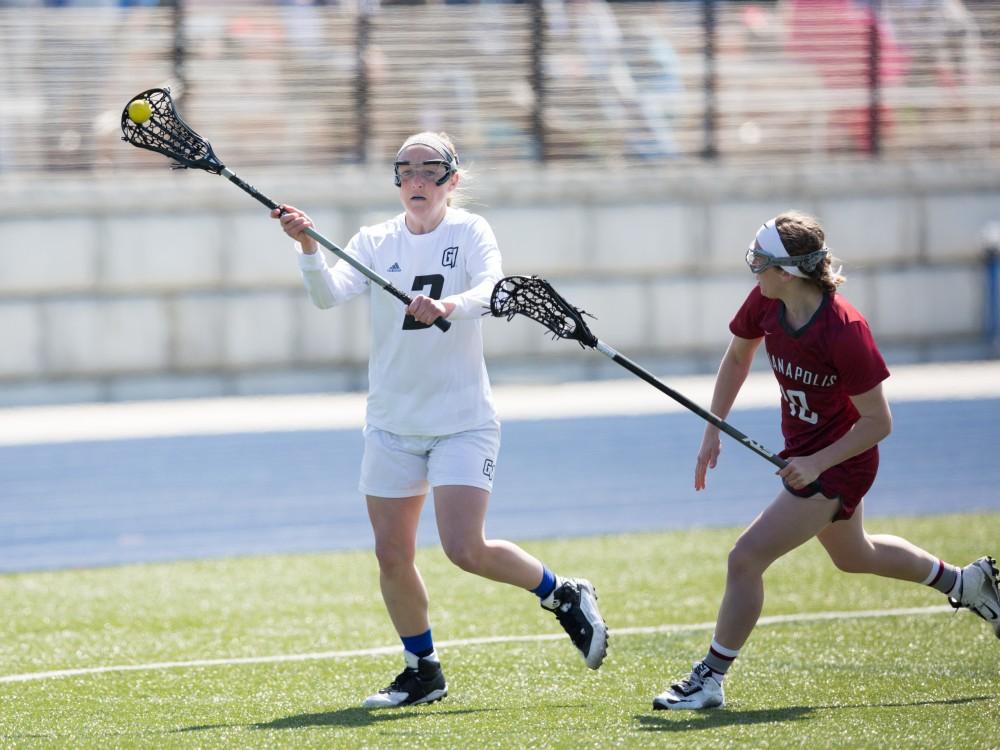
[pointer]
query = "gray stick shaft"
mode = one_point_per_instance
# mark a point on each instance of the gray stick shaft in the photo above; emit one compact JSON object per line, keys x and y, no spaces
{"x":441,"y":323}
{"x":384,"y":283}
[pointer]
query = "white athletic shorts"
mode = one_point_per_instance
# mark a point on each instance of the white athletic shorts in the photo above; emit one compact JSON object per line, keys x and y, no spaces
{"x":408,"y":465}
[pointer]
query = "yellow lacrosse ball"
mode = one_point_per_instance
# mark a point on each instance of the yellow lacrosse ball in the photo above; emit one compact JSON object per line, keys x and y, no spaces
{"x":139,"y":110}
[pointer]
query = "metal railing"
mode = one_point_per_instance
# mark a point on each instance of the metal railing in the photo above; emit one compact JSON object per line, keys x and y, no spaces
{"x":302,"y":86}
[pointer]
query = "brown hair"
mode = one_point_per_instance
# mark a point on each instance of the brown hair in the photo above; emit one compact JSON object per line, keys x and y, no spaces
{"x":802,"y":234}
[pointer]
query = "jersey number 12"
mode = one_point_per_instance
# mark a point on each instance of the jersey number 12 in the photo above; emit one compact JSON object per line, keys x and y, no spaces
{"x":798,"y":407}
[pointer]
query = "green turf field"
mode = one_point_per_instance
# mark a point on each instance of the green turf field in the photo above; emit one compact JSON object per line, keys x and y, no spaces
{"x":925,"y":680}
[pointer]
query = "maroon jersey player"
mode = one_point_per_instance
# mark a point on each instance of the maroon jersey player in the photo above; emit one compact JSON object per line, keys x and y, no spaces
{"x":819,"y":367}
{"x":833,"y":415}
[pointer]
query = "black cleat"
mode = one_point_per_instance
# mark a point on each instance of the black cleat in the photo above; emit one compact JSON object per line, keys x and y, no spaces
{"x":574,"y":602}
{"x":421,"y":682}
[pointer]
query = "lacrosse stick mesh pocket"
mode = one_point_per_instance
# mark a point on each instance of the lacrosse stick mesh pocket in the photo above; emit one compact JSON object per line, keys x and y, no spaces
{"x":536,"y":299}
{"x":165,"y":132}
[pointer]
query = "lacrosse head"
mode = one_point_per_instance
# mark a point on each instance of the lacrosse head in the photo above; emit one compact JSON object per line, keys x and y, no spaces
{"x":164,"y":132}
{"x":536,"y":299}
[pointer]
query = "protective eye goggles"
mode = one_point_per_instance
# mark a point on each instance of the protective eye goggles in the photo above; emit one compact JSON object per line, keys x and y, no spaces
{"x":437,"y":171}
{"x":759,"y":260}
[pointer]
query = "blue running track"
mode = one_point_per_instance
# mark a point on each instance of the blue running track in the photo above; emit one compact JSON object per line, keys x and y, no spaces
{"x":106,"y":503}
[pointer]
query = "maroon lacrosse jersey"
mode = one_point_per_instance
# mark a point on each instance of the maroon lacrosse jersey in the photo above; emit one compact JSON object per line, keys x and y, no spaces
{"x":818,"y":368}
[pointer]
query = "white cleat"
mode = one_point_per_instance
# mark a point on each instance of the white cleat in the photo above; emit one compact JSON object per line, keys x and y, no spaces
{"x":698,"y":690}
{"x":979,"y":592}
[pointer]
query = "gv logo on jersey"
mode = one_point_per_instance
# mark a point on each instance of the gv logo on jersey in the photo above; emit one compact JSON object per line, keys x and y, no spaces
{"x":488,"y":468}
{"x":450,"y":256}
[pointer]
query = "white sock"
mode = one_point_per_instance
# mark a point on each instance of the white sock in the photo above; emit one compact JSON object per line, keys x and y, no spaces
{"x":937,"y":566}
{"x":956,"y":590}
{"x":719,"y":659}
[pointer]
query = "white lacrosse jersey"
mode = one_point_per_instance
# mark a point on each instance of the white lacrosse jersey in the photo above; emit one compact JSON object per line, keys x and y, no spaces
{"x":421,"y":380}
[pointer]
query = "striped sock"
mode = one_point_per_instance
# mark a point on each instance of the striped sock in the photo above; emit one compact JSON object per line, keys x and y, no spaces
{"x":720,"y":659}
{"x":943,"y":577}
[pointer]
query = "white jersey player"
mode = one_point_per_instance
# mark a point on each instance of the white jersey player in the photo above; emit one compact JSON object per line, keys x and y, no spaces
{"x":456,"y":264}
{"x":431,"y":422}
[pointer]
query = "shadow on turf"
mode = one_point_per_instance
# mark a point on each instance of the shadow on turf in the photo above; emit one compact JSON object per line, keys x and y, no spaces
{"x":356,"y":717}
{"x":682,"y":721}
{"x":345,"y":717}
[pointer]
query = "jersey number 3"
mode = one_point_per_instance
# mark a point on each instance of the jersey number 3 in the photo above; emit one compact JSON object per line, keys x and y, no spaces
{"x":436,"y":283}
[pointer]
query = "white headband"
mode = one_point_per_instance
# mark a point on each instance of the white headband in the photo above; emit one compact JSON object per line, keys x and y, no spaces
{"x":433,"y":142}
{"x":769,"y":242}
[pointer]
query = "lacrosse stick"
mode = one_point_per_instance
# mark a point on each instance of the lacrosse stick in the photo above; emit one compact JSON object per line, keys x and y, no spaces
{"x":536,"y":299}
{"x":150,"y":121}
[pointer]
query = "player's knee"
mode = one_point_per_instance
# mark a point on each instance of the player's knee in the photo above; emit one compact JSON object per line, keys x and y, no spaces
{"x":466,"y":555}
{"x":393,"y":559}
{"x":746,"y":559}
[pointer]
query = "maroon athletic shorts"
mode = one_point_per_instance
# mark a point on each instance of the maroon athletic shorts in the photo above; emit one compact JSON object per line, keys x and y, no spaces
{"x":848,"y":482}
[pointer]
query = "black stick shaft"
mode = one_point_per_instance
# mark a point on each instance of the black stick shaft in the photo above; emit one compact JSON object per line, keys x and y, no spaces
{"x":441,"y":323}
{"x":689,"y":404}
{"x":722,"y":424}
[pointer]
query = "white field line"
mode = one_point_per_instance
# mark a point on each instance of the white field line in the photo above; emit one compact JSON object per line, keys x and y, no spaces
{"x":379,"y":650}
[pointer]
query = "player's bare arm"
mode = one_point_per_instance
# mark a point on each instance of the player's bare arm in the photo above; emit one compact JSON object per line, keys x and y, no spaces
{"x":733,"y":373}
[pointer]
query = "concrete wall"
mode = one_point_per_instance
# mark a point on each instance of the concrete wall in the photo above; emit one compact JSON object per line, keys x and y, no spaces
{"x":178,"y":284}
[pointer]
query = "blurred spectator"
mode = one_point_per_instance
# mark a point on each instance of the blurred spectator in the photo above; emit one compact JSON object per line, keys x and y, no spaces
{"x":631,"y":77}
{"x":946,"y":48}
{"x":836,"y":37}
{"x":99,"y":3}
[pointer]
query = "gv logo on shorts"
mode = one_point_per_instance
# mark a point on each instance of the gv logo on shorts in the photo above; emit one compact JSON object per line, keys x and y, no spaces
{"x":488,"y":468}
{"x":450,"y":256}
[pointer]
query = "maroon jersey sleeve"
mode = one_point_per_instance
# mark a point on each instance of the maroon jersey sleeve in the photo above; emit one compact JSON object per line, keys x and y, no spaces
{"x":747,"y":322}
{"x":857,"y":358}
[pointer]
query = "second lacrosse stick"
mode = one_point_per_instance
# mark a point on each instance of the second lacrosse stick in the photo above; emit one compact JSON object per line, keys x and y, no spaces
{"x":536,"y":299}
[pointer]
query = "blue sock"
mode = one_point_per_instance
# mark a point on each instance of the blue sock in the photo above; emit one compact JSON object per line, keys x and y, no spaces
{"x":421,"y":645}
{"x":548,"y":583}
